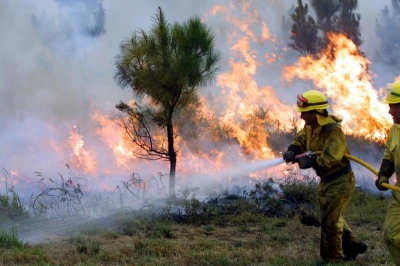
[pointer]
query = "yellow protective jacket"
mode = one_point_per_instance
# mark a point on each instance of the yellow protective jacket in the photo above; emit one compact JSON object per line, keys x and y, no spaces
{"x":327,"y":137}
{"x":391,"y":164}
{"x":391,"y":157}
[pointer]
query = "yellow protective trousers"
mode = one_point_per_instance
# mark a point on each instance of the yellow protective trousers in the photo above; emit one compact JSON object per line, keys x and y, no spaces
{"x":391,"y":228}
{"x":336,"y":236}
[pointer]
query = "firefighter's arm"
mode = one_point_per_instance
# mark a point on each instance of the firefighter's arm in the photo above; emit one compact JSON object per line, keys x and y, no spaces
{"x":385,"y":172}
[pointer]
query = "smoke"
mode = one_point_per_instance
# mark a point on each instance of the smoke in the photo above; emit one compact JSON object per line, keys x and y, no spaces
{"x":57,"y":65}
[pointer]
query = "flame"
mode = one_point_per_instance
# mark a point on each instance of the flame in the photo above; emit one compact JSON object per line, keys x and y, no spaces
{"x":245,"y":109}
{"x":341,"y":72}
{"x":241,"y":95}
{"x":112,"y":135}
{"x":80,"y":158}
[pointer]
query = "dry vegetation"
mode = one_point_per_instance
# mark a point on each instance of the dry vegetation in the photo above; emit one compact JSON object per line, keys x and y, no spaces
{"x":258,"y":227}
{"x":231,"y":230}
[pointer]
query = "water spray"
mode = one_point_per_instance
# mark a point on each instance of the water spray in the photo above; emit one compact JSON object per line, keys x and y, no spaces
{"x":256,"y":166}
{"x":357,"y":160}
{"x":274,"y":162}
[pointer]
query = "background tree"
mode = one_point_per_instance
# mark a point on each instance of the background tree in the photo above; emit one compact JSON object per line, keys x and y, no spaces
{"x":387,"y":29}
{"x":165,"y":67}
{"x":309,"y":34}
{"x":304,"y":31}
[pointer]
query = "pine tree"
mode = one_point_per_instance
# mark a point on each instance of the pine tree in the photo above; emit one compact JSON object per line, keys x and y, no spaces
{"x":167,"y":65}
{"x":304,"y":31}
{"x":309,"y":34}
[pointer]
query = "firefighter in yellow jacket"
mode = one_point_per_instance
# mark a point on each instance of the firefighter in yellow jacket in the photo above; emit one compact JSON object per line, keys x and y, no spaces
{"x":390,"y":165}
{"x":322,"y":132}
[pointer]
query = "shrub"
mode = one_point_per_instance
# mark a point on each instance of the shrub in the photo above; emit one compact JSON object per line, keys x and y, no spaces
{"x":266,"y":199}
{"x":11,"y":239}
{"x":84,"y":245}
{"x":11,"y":207}
{"x":145,"y":226}
{"x":210,"y":228}
{"x":299,"y":189}
{"x":300,"y":192}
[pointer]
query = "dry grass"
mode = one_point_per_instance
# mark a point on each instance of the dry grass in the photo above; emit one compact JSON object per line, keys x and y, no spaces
{"x":262,"y":241}
{"x":291,"y":244}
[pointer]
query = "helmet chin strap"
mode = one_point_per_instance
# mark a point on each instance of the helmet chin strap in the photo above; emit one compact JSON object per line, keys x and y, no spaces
{"x":324,"y":113}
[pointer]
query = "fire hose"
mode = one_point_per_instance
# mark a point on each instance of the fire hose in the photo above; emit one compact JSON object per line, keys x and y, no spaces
{"x":357,"y":160}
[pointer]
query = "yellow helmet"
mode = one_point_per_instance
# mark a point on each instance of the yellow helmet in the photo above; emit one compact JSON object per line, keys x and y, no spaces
{"x":311,"y":100}
{"x":393,"y":95}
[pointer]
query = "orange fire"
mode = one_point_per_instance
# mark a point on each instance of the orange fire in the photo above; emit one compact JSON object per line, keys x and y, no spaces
{"x":244,"y":106}
{"x":80,"y":158}
{"x":113,"y":136}
{"x":341,"y":72}
{"x":241,"y":95}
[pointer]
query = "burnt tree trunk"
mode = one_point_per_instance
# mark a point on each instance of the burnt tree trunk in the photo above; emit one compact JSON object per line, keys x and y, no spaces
{"x":172,"y":159}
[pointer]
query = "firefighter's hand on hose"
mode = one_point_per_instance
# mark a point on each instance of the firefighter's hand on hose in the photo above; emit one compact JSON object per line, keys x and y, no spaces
{"x":381,"y":179}
{"x":307,"y":161}
{"x":288,"y":156}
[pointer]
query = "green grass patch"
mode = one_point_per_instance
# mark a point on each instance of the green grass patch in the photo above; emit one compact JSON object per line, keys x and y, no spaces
{"x":11,"y":239}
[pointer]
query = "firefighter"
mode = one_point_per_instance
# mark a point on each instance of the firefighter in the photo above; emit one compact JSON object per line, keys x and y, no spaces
{"x":322,"y":132}
{"x":391,"y":164}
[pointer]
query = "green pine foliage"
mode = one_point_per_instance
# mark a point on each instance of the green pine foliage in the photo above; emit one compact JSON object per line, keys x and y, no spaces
{"x":164,"y":66}
{"x":308,"y":34}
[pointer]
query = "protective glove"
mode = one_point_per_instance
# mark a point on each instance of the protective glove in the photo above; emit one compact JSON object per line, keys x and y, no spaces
{"x":307,"y":161}
{"x":288,"y":156}
{"x":381,"y":179}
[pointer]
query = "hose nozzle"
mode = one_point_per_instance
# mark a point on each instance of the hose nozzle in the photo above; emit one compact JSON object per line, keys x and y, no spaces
{"x":307,"y":153}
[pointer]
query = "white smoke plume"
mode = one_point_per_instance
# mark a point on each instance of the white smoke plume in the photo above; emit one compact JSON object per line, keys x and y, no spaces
{"x":57,"y":61}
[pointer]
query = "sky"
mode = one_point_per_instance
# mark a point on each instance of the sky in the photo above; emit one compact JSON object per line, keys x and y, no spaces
{"x":57,"y":62}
